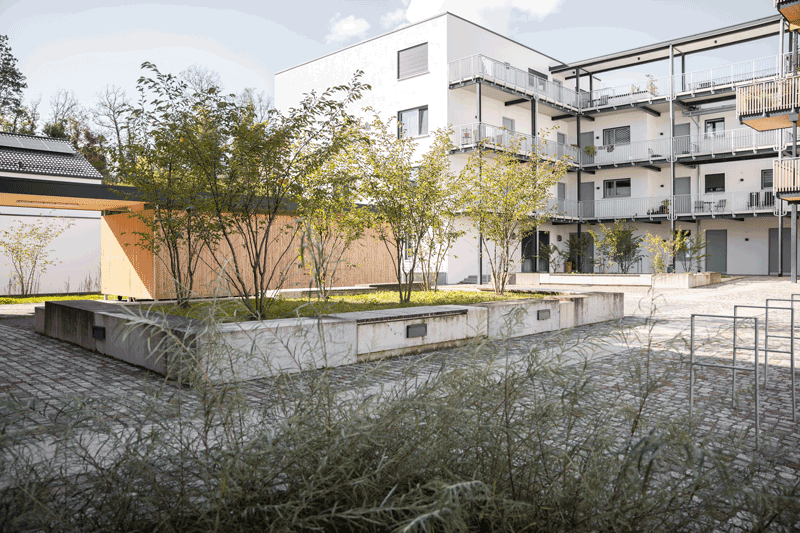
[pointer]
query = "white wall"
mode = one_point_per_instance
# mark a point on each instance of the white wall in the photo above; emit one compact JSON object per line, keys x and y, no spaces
{"x":77,"y":250}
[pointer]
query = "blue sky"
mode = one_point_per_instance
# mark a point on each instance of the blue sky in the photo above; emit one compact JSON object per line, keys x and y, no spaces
{"x":84,"y":45}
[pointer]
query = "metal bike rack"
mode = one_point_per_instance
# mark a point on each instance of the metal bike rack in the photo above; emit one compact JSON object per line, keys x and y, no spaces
{"x":733,"y":367}
{"x":767,"y":335}
{"x":792,"y":302}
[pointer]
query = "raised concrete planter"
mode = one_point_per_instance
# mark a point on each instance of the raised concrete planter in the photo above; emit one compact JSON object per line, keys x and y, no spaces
{"x":657,"y":281}
{"x":240,"y":351}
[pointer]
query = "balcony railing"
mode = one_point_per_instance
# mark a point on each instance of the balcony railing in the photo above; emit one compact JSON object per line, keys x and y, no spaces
{"x":690,"y":146}
{"x":480,"y":66}
{"x":786,"y":175}
{"x":711,"y":79}
{"x":728,"y":142}
{"x":709,"y":204}
{"x":768,"y":97}
{"x":634,"y":152}
{"x":468,"y":136}
{"x":563,"y":208}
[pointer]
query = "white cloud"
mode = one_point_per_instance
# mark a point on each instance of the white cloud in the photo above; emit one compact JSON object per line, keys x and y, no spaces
{"x":394,"y":18}
{"x":343,"y":29}
{"x":497,"y":14}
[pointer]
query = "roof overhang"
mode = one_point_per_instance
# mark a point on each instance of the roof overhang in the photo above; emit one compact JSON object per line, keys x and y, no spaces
{"x":739,"y":33}
{"x":51,"y":194}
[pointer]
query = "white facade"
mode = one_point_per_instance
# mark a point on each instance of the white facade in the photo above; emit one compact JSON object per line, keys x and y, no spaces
{"x":718,"y":161}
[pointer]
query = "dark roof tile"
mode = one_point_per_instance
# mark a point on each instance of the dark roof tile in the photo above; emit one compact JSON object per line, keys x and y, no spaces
{"x":40,"y":162}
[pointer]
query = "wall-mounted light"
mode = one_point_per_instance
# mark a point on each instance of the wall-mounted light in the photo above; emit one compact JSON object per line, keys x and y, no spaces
{"x":558,"y":238}
{"x":746,"y":239}
{"x":662,"y":185}
{"x":741,"y":179}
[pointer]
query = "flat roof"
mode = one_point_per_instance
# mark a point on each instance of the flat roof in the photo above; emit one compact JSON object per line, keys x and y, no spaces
{"x":729,"y":35}
{"x":415,"y":24}
{"x":52,"y":194}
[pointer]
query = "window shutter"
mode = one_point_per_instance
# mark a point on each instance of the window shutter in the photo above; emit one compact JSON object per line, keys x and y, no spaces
{"x":412,"y":61}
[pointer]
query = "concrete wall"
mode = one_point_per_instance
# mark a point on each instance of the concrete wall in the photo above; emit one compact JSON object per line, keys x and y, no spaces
{"x":178,"y":347}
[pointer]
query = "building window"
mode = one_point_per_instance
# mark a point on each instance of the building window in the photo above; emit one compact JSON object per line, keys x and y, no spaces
{"x":508,"y":123}
{"x":715,"y":183}
{"x":413,"y":122}
{"x":616,"y":188}
{"x":715,"y":127}
{"x":412,"y":61}
{"x":536,"y":78}
{"x":614,"y":136}
{"x":766,"y":178}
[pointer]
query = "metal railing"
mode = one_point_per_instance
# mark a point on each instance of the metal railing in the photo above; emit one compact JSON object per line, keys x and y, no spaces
{"x":616,"y":154}
{"x":506,"y":75}
{"x":563,"y":208}
{"x":468,"y":136}
{"x":709,"y":204}
{"x":502,"y":73}
{"x":786,"y":175}
{"x":728,"y":142}
{"x":768,"y":97}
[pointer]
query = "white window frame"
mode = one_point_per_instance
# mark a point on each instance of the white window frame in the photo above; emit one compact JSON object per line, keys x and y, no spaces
{"x":419,"y":121}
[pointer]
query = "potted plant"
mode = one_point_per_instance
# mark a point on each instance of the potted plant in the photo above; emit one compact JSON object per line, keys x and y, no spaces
{"x":590,"y":150}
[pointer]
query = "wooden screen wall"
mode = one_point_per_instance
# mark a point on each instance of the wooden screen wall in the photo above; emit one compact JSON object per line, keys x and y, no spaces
{"x":129,"y":270}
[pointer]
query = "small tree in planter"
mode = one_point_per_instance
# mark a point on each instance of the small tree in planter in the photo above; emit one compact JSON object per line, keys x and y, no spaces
{"x":604,"y":244}
{"x":577,"y":249}
{"x":627,"y":246}
{"x":662,"y":251}
{"x":509,"y":199}
{"x":552,"y":255}
{"x":692,"y":253}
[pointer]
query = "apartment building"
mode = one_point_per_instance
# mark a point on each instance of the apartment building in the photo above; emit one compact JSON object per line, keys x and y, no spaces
{"x":662,"y":153}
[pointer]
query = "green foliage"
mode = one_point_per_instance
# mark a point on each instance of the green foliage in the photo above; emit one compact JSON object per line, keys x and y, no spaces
{"x":577,"y":251}
{"x":662,"y":251}
{"x":552,"y":254}
{"x":12,"y":82}
{"x":509,"y":439}
{"x":222,"y":178}
{"x":690,"y":250}
{"x":407,"y":196}
{"x":509,"y":192}
{"x":330,"y":217}
{"x":233,"y":311}
{"x":11,"y":300}
{"x":26,"y":247}
{"x":616,"y":245}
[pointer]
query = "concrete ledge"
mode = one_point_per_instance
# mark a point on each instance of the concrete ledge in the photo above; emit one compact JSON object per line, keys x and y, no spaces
{"x":658,"y":281}
{"x":178,"y":347}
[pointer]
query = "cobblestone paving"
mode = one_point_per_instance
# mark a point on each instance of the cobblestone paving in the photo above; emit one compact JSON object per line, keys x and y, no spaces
{"x":45,"y":375}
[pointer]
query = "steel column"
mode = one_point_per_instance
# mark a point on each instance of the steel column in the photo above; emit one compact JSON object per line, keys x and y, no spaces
{"x":672,"y":148}
{"x":580,"y":151}
{"x":478,"y":140}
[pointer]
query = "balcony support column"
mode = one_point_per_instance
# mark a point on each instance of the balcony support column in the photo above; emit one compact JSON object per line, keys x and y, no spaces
{"x":478,"y":141}
{"x":534,"y":110}
{"x":672,"y":148}
{"x":782,"y":63}
{"x":793,"y":249}
{"x":579,"y":259}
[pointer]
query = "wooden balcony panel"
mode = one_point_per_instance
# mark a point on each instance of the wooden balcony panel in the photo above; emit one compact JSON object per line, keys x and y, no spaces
{"x":790,"y":11}
{"x":777,"y":122}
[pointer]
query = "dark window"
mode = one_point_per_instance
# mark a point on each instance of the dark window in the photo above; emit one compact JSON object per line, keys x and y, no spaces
{"x":412,"y":61}
{"x":715,"y":182}
{"x":766,"y":179}
{"x":413,"y":122}
{"x":715,"y":127}
{"x":616,"y":188}
{"x":536,"y":78}
{"x":617,"y":136}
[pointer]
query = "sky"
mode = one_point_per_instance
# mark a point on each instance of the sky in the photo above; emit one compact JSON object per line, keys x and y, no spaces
{"x":85,"y":45}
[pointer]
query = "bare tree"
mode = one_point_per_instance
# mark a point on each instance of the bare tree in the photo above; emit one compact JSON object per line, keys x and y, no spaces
{"x":260,"y":102}
{"x":64,"y":106}
{"x":109,"y":114}
{"x":200,"y":79}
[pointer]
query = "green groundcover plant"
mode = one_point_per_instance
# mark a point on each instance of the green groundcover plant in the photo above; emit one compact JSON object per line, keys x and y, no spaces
{"x":511,"y":435}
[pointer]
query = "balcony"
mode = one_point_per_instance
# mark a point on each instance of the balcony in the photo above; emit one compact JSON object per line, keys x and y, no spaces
{"x":728,"y":143}
{"x":469,"y":136}
{"x":790,"y":9}
{"x":710,"y":205}
{"x":786,"y":174}
{"x":626,"y":154}
{"x":480,"y":67}
{"x":767,"y":105}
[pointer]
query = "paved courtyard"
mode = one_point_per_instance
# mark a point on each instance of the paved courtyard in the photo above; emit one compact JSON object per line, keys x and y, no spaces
{"x":44,"y":375}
